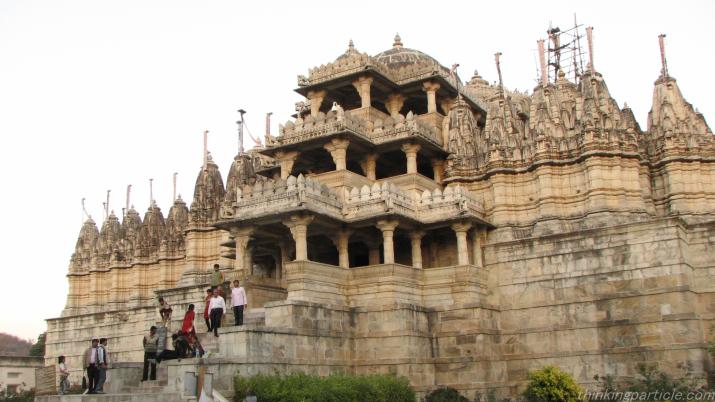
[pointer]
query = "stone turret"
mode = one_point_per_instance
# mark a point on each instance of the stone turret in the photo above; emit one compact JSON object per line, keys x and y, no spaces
{"x":176,"y":222}
{"x":131,"y":224}
{"x":85,"y":248}
{"x":109,"y":242}
{"x":674,"y":127}
{"x":151,"y":233}
{"x":242,"y":172}
{"x":208,"y":195}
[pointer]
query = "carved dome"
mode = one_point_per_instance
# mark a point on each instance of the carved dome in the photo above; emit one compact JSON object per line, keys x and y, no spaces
{"x":400,"y":56}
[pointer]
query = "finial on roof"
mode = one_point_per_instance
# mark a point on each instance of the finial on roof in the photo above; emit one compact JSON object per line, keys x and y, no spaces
{"x":625,"y":105}
{"x":589,"y":37}
{"x":398,"y":41}
{"x":351,"y":45}
{"x":663,"y":62}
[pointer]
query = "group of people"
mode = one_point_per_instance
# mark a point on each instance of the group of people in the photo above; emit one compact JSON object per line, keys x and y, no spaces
{"x":96,"y":363}
{"x":215,"y":304}
{"x":185,"y":342}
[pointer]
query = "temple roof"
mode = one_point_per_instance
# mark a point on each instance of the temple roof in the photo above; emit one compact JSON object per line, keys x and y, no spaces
{"x":399,"y":56}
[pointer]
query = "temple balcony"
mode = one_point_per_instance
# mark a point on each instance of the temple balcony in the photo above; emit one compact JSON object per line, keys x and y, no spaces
{"x":271,"y":200}
{"x":362,"y":125}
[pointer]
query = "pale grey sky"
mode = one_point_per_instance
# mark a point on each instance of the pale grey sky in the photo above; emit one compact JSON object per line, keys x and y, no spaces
{"x":95,"y":95}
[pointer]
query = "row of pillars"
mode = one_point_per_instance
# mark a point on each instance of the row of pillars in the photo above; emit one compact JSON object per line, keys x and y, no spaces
{"x":393,"y":103}
{"x":298,"y":226}
{"x":338,"y":151}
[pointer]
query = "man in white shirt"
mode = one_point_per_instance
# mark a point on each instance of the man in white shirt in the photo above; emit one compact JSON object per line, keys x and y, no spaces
{"x":238,"y":301}
{"x":90,"y":363}
{"x":217,"y":308}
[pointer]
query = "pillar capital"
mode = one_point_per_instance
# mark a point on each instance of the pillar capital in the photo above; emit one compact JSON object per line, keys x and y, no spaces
{"x":387,"y":225}
{"x":411,"y":151}
{"x":316,"y":100}
{"x":286,"y":161}
{"x":430,"y":86}
{"x":438,"y":169}
{"x":341,"y":242}
{"x":460,"y":227}
{"x":416,"y":242}
{"x":368,"y":165}
{"x":388,"y":230}
{"x":298,"y":226}
{"x":394,"y":104}
{"x":410,"y":148}
{"x":338,"y":150}
{"x":362,"y":85}
{"x":446,"y":104}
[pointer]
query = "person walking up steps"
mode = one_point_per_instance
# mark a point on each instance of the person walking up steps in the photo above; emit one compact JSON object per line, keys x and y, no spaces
{"x":217,"y":309}
{"x":238,"y":301}
{"x":150,"y":341}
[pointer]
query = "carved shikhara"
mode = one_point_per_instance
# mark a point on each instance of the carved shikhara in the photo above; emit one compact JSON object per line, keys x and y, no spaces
{"x":458,"y":234}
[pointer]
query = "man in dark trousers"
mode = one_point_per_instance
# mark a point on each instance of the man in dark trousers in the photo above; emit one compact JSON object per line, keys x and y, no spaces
{"x":90,"y":364}
{"x":102,"y":366}
{"x":217,"y":308}
{"x":150,"y":343}
{"x":238,"y":301}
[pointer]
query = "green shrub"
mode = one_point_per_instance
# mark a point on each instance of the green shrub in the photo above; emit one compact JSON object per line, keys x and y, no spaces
{"x":301,"y":387}
{"x":445,"y":395}
{"x":550,"y":384}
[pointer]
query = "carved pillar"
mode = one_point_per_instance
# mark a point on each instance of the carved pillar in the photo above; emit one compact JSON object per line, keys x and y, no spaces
{"x":298,"y":225}
{"x":477,"y":242}
{"x":438,"y":169}
{"x":410,"y":151}
{"x":338,"y":150}
{"x":362,"y":85}
{"x":242,"y":236}
{"x":460,"y":229}
{"x":316,"y":100}
{"x":388,"y":248}
{"x":368,"y":165}
{"x":394,"y":104}
{"x":431,"y":89}
{"x":416,"y":239}
{"x":341,"y":243}
{"x":286,"y":160}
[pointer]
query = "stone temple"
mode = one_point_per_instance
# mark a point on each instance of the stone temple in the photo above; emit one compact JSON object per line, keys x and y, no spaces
{"x":456,"y":233}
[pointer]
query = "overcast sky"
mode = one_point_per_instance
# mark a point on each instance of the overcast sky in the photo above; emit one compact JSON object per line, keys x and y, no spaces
{"x":95,"y":95}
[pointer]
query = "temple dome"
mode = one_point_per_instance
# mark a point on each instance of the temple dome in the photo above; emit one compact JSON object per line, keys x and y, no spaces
{"x":399,"y":56}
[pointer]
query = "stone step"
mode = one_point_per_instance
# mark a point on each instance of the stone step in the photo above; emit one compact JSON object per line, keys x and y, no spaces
{"x":123,"y":397}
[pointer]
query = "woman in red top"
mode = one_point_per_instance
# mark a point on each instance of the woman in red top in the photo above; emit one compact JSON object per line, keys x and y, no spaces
{"x":187,"y":326}
{"x":207,"y":301}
